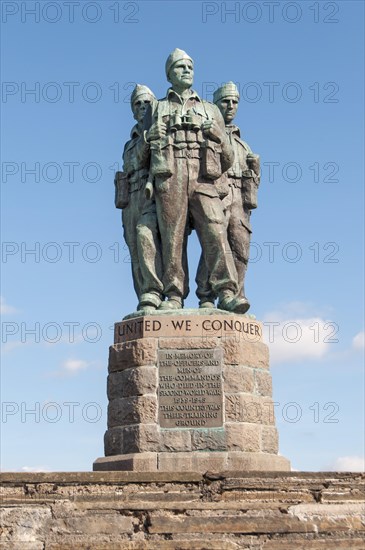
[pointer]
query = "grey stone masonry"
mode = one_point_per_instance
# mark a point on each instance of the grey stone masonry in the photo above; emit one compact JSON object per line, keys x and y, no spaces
{"x":192,"y":389}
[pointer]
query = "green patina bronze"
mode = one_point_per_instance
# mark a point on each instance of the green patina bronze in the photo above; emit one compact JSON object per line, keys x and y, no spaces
{"x":185,"y":168}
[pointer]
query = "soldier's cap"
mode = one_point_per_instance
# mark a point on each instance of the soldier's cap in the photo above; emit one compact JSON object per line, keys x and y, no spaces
{"x":139,"y":90}
{"x":228,"y":89}
{"x":175,"y":56}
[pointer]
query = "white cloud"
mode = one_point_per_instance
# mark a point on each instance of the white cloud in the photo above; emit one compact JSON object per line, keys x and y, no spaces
{"x":35,"y":469}
{"x":348,"y":464}
{"x":74,"y":365}
{"x":358,"y":341}
{"x":294,"y":337}
{"x":5,"y":309}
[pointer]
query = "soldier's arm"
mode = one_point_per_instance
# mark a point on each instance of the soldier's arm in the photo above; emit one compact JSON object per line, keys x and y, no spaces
{"x":227,"y":157}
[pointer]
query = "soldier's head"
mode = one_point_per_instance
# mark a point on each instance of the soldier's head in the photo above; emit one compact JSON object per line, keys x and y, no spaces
{"x":180,"y":70}
{"x":227,"y":98}
{"x":141,"y":99}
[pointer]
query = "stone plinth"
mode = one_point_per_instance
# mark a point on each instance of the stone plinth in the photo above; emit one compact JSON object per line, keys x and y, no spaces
{"x":190,"y":392}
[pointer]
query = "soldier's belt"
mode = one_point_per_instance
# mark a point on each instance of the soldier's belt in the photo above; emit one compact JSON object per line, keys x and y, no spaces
{"x":187,"y":153}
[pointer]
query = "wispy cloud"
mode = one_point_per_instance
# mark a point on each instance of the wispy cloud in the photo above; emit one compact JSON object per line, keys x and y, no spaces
{"x":348,"y":464}
{"x":358,"y":341}
{"x":294,"y":335}
{"x":6,"y":309}
{"x":74,"y":365}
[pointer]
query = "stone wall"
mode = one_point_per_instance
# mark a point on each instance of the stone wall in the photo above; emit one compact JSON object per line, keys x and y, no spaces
{"x":185,"y":511}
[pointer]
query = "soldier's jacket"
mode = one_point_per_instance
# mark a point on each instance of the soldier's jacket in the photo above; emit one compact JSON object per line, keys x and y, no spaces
{"x":184,"y":120}
{"x":239,"y":169}
{"x":136,"y":160}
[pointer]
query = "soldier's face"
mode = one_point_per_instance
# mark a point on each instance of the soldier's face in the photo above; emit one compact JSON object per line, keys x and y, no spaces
{"x":140,"y":106}
{"x":228,"y":107}
{"x":181,"y":74}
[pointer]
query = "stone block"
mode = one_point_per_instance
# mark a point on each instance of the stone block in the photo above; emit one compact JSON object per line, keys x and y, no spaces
{"x":241,"y":407}
{"x":140,"y":462}
{"x":89,"y":524}
{"x":141,"y":438}
{"x":198,"y":342}
{"x":134,"y":353}
{"x":208,"y":440}
{"x":250,"y":354}
{"x":263,"y":383}
{"x":132,"y":410}
{"x":262,"y":462}
{"x":229,"y":524}
{"x":132,"y":382}
{"x":269,"y":440}
{"x":238,"y":379}
{"x":113,"y":441}
{"x":175,"y":441}
{"x":243,"y":437}
{"x":198,"y":461}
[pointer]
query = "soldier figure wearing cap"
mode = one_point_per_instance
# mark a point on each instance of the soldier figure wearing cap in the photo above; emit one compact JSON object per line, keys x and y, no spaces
{"x":243,"y":179}
{"x":189,"y":151}
{"x":138,"y":211}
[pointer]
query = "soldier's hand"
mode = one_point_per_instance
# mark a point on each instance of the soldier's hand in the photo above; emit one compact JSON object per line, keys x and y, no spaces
{"x":212,"y":130}
{"x":157,"y":131}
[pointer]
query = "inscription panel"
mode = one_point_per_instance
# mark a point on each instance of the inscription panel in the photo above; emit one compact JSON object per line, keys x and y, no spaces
{"x":190,"y":393}
{"x":201,"y":326}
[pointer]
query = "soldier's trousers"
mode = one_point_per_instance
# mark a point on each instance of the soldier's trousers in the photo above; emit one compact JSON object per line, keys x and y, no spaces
{"x":239,"y":235}
{"x":186,"y":195}
{"x":142,"y":237}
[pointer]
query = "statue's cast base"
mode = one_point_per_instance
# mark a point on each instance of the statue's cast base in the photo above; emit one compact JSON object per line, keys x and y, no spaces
{"x":195,"y":461}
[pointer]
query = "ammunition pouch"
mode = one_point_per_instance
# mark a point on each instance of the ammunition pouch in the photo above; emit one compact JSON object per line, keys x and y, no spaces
{"x":210,"y":162}
{"x":162,"y":158}
{"x":121,"y":190}
{"x":249,"y":193}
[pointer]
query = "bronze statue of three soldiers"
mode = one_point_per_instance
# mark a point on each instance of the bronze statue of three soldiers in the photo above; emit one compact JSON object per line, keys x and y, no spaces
{"x":186,"y":167}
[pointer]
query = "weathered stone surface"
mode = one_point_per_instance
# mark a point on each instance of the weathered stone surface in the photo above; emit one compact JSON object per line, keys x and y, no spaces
{"x":250,"y":354}
{"x":263,"y":383}
{"x":231,"y":524}
{"x":208,"y":440}
{"x":269,"y":440}
{"x":241,"y":407}
{"x":132,"y":382}
{"x":189,"y":343}
{"x":262,"y":462}
{"x":175,"y":441}
{"x":215,"y":511}
{"x":243,"y":437}
{"x":141,"y":462}
{"x":238,"y":379}
{"x":187,"y":324}
{"x":132,"y":410}
{"x":24,"y":524}
{"x":132,"y":354}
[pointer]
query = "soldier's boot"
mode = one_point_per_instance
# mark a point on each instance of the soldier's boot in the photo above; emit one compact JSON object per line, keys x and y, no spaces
{"x":149,"y":302}
{"x":229,"y":302}
{"x":207,"y":302}
{"x":172,"y":302}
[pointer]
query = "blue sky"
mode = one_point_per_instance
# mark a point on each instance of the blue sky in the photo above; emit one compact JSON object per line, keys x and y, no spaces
{"x":300,"y":70}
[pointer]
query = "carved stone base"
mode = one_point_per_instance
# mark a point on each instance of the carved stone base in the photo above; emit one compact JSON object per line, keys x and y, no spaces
{"x":190,"y":392}
{"x":200,"y":462}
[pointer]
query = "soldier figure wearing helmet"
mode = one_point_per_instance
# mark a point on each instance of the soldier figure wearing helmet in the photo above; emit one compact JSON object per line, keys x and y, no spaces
{"x":189,"y":151}
{"x":242,"y":181}
{"x":138,"y":211}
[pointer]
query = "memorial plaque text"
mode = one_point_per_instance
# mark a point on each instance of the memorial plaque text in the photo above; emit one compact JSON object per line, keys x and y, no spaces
{"x":190,"y":388}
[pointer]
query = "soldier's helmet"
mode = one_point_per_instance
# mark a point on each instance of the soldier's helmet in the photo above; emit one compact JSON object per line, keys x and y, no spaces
{"x":141,"y":90}
{"x":227,"y":90}
{"x":176,"y":55}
